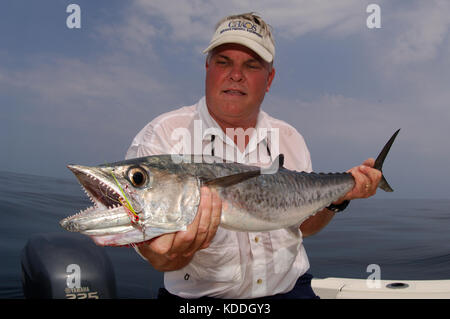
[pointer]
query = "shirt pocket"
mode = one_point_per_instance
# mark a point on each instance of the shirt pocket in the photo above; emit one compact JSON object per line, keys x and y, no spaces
{"x":220,"y":262}
{"x":286,"y":246}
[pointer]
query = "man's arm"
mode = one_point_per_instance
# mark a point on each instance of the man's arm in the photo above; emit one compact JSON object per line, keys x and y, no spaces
{"x":174,"y":251}
{"x":366,"y":182}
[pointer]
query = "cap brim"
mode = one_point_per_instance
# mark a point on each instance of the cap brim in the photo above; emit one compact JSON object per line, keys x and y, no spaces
{"x":252,"y":45}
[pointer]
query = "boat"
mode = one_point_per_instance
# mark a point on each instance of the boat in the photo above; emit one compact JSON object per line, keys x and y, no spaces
{"x":350,"y":288}
{"x":71,"y":266}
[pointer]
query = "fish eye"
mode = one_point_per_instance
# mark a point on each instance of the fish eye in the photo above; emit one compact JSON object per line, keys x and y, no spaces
{"x":137,"y":176}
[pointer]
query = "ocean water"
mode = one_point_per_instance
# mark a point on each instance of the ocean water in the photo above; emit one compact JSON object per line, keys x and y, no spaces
{"x":408,"y":239}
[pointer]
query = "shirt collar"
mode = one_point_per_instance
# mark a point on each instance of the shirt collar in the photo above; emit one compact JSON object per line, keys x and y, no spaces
{"x":210,"y":126}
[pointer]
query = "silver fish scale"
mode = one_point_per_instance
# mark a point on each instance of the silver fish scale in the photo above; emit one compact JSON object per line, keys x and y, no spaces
{"x":273,"y":196}
{"x":268,"y":196}
{"x":205,"y":167}
{"x":267,"y":193}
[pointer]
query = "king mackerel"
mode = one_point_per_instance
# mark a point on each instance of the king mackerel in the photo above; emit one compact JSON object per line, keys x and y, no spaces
{"x":139,"y":199}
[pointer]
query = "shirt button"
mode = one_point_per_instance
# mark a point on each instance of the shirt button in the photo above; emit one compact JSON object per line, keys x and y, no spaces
{"x":256,"y":239}
{"x":259,"y":281}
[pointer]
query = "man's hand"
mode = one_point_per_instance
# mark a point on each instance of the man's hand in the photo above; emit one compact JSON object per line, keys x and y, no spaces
{"x":366,"y":181}
{"x":174,"y":251}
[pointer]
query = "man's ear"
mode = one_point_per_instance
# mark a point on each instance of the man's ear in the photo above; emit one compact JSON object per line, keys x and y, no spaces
{"x":207,"y":60}
{"x":270,"y":79}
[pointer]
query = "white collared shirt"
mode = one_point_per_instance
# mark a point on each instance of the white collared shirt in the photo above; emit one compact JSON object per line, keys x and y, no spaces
{"x":236,"y":264}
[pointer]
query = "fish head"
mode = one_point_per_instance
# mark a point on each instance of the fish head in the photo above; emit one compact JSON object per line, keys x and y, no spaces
{"x":133,"y":202}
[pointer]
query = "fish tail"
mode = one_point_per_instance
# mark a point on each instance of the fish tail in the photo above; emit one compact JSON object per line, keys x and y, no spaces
{"x":384,"y":185}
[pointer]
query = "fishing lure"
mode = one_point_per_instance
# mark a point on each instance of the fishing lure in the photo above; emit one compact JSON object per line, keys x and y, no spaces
{"x":134,"y":217}
{"x":131,"y":212}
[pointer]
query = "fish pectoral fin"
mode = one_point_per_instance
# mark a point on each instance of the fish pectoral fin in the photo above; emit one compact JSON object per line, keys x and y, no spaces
{"x":230,"y":180}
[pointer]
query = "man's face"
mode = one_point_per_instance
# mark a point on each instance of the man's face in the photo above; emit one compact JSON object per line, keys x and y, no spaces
{"x":236,"y":82}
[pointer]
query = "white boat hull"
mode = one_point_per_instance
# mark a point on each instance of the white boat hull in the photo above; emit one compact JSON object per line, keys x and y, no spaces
{"x":347,"y":288}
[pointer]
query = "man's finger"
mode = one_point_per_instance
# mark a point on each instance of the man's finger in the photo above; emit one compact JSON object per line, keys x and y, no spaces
{"x":374,"y":177}
{"x":215,"y":219}
{"x":206,"y":205}
{"x":184,"y":239}
{"x":369,"y":162}
{"x":161,"y":245}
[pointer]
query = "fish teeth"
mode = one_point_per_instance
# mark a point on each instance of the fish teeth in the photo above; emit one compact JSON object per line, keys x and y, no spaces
{"x":88,"y":209}
{"x":88,"y":195}
{"x":82,"y":211}
{"x":113,"y":197}
{"x":108,"y":189}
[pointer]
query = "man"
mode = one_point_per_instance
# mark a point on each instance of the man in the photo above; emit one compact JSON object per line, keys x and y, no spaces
{"x":207,"y":260}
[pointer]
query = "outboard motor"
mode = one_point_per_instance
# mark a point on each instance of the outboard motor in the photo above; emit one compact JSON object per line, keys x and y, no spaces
{"x":66,"y":265}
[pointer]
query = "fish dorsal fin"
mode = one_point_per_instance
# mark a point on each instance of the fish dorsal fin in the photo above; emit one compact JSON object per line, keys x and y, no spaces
{"x":230,"y":180}
{"x":276,"y":164}
{"x":280,"y":159}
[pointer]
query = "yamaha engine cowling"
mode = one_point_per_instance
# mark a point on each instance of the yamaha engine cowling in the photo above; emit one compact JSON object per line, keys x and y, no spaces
{"x":66,"y":265}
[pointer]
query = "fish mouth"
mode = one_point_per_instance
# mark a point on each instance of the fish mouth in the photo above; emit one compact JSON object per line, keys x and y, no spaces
{"x":107,"y":209}
{"x":100,"y":193}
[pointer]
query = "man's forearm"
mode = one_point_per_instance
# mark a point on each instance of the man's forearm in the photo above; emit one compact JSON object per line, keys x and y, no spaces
{"x":315,"y":223}
{"x":163,"y":262}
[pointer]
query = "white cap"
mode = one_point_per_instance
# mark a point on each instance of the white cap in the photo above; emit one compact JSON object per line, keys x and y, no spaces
{"x":246,"y":33}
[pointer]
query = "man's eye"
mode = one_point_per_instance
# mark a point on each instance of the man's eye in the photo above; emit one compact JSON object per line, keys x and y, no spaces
{"x":253,"y":66}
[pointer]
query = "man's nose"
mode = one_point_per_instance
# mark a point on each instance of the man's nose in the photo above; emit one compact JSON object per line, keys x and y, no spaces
{"x":236,"y":74}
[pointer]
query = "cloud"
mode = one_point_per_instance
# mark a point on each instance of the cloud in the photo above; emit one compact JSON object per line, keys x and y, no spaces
{"x":149,"y":57}
{"x":410,"y":34}
{"x":188,"y":20}
{"x":335,"y":119}
{"x":420,"y":31}
{"x":93,"y":102}
{"x":413,"y":39}
{"x":130,"y":73}
{"x":66,"y":79}
{"x":147,"y":24}
{"x":294,"y":19}
{"x":341,"y":117}
{"x":134,"y":34}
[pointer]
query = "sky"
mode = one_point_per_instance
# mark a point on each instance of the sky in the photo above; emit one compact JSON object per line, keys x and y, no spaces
{"x":80,"y":95}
